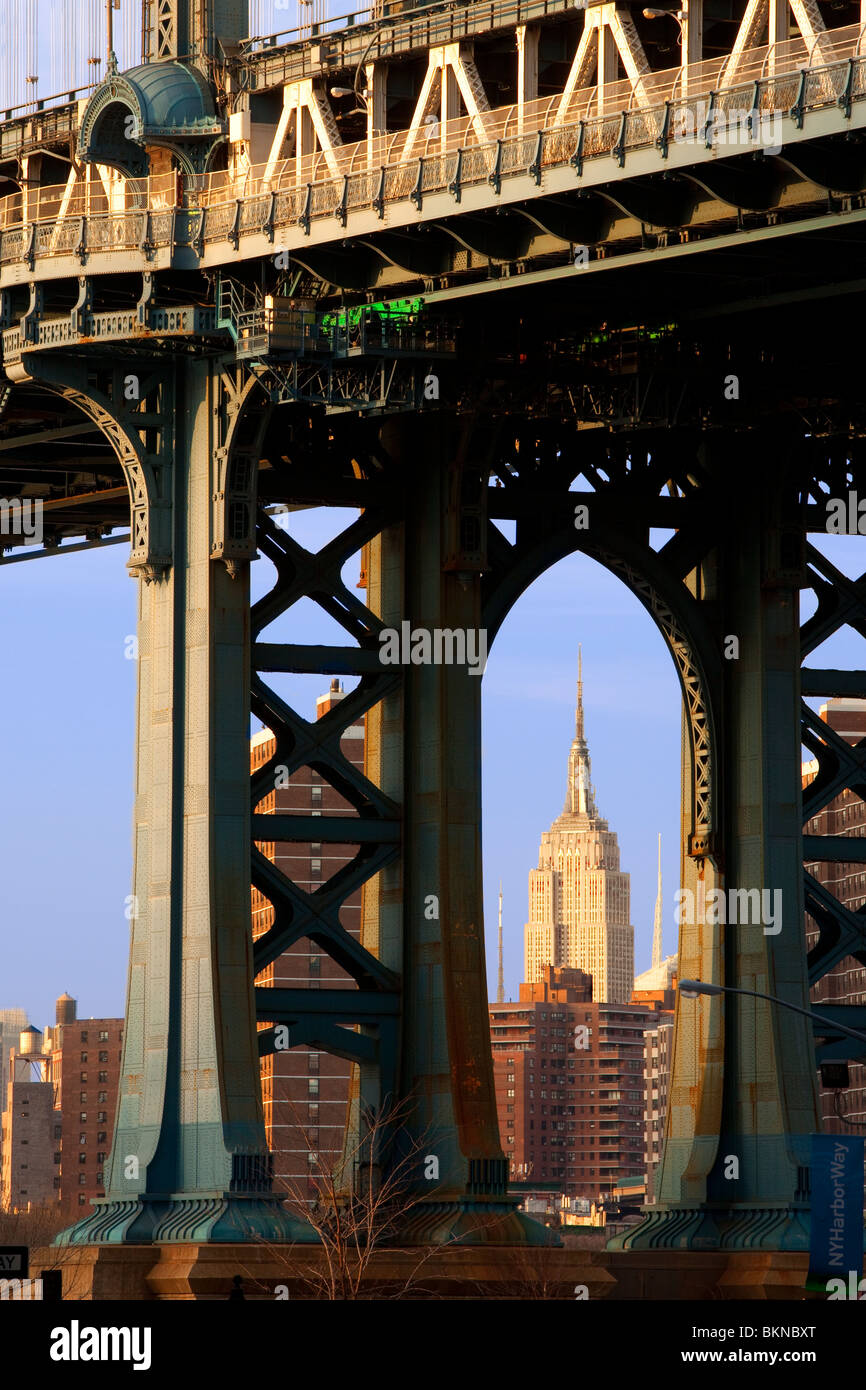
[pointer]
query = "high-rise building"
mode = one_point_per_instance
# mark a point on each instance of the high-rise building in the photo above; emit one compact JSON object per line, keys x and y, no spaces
{"x":570,"y":1090}
{"x":846,"y":880}
{"x":663,"y":969}
{"x":658,"y":1044}
{"x":85,"y":1058}
{"x":12,"y":1025}
{"x":579,"y":898}
{"x":61,"y":1100}
{"x":305,"y":1092}
{"x":30,"y":1170}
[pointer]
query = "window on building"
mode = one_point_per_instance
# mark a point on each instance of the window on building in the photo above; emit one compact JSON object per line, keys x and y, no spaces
{"x":101,"y":1116}
{"x":102,"y":1137}
{"x":81,"y":1199}
{"x":315,"y":793}
{"x":83,"y":1115}
{"x":82,"y":1138}
{"x":83,"y":1076}
{"x":315,"y":965}
{"x":84,"y":1056}
{"x":313,"y":1085}
{"x":103,"y":1076}
{"x":99,"y":1179}
{"x":57,"y":1156}
{"x":84,"y":1036}
{"x":103,"y":1056}
{"x":511,"y":1091}
{"x":102,"y":1096}
{"x":101,"y":1157}
{"x":510,"y":1076}
{"x":82,"y":1179}
{"x":82,"y":1158}
{"x":103,"y":1036}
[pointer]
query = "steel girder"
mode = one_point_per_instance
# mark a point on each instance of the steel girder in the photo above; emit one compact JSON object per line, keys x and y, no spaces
{"x":411,"y":1025}
{"x":841,"y":601}
{"x":315,"y":1017}
{"x":721,"y":573}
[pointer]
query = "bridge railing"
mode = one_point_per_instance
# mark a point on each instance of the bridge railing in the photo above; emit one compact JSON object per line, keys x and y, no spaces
{"x":143,"y":213}
{"x":763,"y":66}
{"x":70,"y":201}
{"x":268,"y":64}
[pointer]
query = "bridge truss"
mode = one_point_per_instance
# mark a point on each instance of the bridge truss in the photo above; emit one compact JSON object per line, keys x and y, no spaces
{"x":632,"y":293}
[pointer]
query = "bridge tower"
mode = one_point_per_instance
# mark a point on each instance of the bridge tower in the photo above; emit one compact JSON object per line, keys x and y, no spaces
{"x":555,"y":404}
{"x":194,"y":29}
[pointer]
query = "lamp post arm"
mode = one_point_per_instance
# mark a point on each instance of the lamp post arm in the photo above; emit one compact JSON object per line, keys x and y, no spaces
{"x":697,"y":986}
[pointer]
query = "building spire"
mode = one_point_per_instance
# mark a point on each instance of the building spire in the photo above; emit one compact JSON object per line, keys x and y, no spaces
{"x":578,"y":719}
{"x":580,"y":799}
{"x":500,"y":983}
{"x":657,"y":925}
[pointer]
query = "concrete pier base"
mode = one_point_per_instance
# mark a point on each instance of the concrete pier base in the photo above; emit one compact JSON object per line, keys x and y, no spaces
{"x":184,"y":1272}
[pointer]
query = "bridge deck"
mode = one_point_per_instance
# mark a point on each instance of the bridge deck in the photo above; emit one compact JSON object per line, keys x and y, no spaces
{"x":523,"y":156}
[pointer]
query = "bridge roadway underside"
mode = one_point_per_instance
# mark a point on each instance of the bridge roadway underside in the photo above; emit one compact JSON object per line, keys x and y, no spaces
{"x":781,"y":312}
{"x":705,"y":407}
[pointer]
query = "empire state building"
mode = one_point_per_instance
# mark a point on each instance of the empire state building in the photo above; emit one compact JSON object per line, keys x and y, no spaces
{"x":579,"y":899}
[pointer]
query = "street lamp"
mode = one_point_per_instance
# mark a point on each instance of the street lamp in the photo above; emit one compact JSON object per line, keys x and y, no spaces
{"x":358,"y":95}
{"x":692,"y":988}
{"x":678,"y":15}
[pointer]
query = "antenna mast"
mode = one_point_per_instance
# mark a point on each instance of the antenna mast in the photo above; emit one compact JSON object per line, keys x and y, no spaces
{"x":657,"y":925}
{"x":500,"y":983}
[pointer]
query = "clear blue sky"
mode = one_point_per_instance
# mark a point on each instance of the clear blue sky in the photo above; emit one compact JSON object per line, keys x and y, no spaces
{"x":67,"y":705}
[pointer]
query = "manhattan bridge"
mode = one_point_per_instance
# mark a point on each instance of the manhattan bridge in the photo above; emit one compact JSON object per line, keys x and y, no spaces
{"x":449,"y":265}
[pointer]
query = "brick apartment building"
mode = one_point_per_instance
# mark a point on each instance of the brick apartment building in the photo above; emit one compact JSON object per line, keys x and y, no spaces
{"x":570,"y":1113}
{"x":305,"y":1092}
{"x":846,"y":982}
{"x":85,"y":1072}
{"x":658,"y":1060}
{"x":59,"y":1107}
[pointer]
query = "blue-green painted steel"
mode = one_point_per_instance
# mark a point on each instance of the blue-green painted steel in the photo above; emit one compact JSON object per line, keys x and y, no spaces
{"x":167,"y":105}
{"x":189,"y":1160}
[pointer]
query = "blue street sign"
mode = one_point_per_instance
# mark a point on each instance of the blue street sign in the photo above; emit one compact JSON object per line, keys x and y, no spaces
{"x":836,"y":1246}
